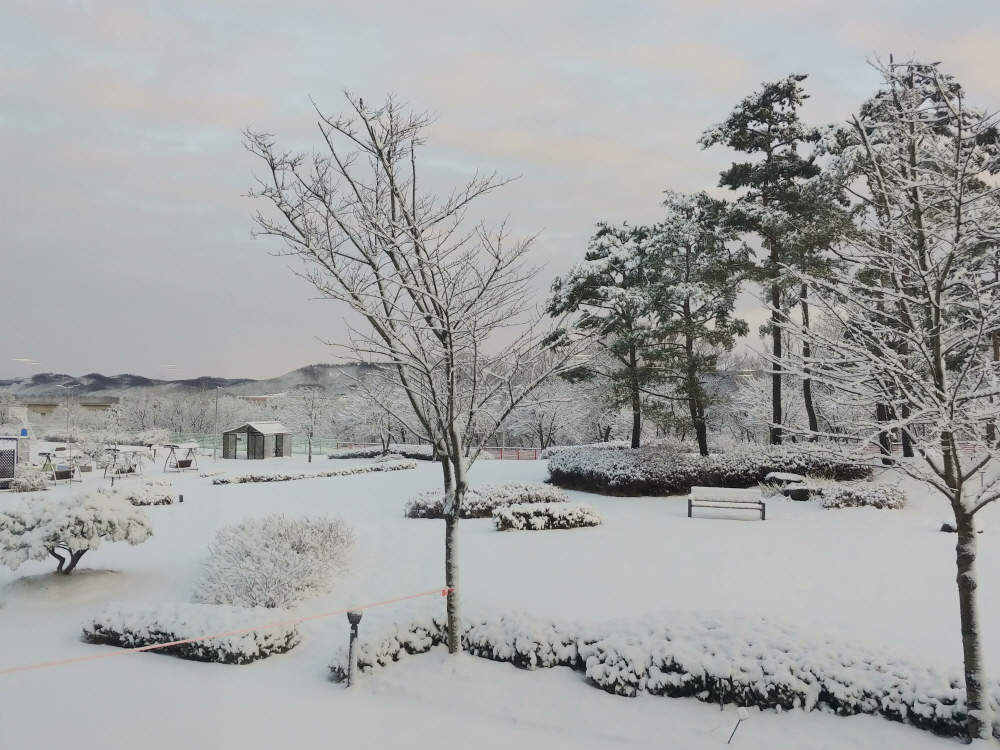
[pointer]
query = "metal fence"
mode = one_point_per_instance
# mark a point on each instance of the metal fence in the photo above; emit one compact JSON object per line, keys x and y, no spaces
{"x":208,"y":441}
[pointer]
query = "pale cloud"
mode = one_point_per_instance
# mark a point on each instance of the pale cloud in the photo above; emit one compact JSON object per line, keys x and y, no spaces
{"x":125,"y":236}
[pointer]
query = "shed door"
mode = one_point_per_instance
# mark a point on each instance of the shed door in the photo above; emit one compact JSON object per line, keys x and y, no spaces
{"x":255,"y":446}
{"x":279,"y":446}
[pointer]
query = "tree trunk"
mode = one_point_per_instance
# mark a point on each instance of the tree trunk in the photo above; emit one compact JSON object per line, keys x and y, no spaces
{"x":980,"y":720}
{"x":884,"y":440}
{"x":775,"y":432}
{"x":451,"y":581}
{"x":60,"y":558}
{"x":905,"y":434}
{"x":74,"y":558}
{"x":309,"y":442}
{"x":806,"y":353}
{"x":636,"y":397}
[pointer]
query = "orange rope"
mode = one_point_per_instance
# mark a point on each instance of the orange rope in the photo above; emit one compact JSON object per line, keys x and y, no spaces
{"x":152,"y":647}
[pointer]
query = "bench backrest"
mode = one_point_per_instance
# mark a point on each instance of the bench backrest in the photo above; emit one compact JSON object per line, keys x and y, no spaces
{"x":725,"y":493}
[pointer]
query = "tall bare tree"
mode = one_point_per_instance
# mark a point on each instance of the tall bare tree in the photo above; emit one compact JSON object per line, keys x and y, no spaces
{"x":436,"y":293}
{"x":914,"y":319}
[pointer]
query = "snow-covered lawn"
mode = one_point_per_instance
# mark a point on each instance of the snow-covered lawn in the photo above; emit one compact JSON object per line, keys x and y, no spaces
{"x":885,"y":577}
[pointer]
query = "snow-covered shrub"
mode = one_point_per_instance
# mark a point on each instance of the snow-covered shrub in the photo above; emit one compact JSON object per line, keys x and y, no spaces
{"x":716,"y":657}
{"x":859,"y":495}
{"x":41,"y":528}
{"x":381,"y":459}
{"x":545,"y":516}
{"x":481,"y":500}
{"x":152,"y":492}
{"x":207,"y":474}
{"x":553,"y":450}
{"x":273,"y":561}
{"x":406,"y":450}
{"x":251,"y":478}
{"x":28,"y":480}
{"x":137,"y":625}
{"x":664,"y":471}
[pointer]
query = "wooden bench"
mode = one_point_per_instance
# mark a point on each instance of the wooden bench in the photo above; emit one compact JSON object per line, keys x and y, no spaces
{"x":724,"y":497}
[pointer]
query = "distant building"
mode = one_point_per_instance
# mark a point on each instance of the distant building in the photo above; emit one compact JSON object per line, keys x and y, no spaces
{"x":46,"y":406}
{"x":257,"y":440}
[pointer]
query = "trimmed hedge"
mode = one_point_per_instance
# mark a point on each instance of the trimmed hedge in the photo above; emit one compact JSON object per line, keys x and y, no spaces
{"x":137,"y":625}
{"x":480,"y":501}
{"x":406,"y":450}
{"x":882,"y":496}
{"x":543,"y":516}
{"x":349,"y":471}
{"x":715,"y":657}
{"x":663,"y":471}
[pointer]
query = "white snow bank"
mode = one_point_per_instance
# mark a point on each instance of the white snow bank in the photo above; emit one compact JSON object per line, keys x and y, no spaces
{"x":136,"y":625}
{"x":545,"y":516}
{"x":481,"y":500}
{"x":716,"y":657}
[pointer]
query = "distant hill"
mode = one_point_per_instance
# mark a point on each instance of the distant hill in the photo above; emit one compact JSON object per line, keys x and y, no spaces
{"x":336,"y":378}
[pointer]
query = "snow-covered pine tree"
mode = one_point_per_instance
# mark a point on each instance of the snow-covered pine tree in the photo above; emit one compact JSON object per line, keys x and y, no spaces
{"x":782,"y":204}
{"x":609,"y":292}
{"x":696,"y":277}
{"x":916,"y":312}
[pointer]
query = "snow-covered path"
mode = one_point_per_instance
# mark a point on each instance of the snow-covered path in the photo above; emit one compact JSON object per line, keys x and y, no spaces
{"x":884,"y":576}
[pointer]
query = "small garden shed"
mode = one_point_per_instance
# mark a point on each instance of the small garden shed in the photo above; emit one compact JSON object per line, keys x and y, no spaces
{"x":257,"y":440}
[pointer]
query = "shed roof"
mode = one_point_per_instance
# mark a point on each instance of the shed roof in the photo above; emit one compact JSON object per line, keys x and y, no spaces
{"x":264,"y":428}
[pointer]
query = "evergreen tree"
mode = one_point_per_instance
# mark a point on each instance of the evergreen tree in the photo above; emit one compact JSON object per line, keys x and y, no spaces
{"x":776,"y":205}
{"x":610,"y":291}
{"x":695,"y":280}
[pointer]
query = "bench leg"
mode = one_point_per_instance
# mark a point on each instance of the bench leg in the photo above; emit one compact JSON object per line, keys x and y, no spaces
{"x":763,"y":508}
{"x":689,"y":507}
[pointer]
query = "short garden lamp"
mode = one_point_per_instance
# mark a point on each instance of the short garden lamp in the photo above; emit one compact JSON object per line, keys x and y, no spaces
{"x":743,"y":716}
{"x":352,"y":668}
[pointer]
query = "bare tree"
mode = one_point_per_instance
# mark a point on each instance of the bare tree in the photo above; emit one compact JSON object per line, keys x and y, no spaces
{"x":307,"y":411}
{"x":913,"y":340}
{"x":435,"y":293}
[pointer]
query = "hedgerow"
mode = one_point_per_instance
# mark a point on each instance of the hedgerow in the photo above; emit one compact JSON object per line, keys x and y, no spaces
{"x":481,"y":500}
{"x":665,"y":471}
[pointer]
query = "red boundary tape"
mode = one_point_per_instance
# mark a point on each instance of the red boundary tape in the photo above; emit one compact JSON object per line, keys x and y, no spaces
{"x":153,"y":647}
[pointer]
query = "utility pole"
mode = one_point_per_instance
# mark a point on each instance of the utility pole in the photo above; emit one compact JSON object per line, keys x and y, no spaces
{"x":215,"y":446}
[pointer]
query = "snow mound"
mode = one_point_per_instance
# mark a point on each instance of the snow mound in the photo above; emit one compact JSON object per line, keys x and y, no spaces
{"x":250,"y":478}
{"x":481,"y":500}
{"x":545,"y":516}
{"x":716,"y":657}
{"x":883,"y":496}
{"x":154,"y":492}
{"x":274,"y":561}
{"x":137,"y":625}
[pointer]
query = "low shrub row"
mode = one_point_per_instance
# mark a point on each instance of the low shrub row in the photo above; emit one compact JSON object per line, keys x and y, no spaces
{"x":481,"y":500}
{"x":883,"y":496}
{"x":714,"y":657}
{"x":137,"y":625}
{"x":406,"y":450}
{"x":545,"y":516}
{"x":367,"y":469}
{"x":28,"y":480}
{"x":664,"y":471}
{"x":153,"y":492}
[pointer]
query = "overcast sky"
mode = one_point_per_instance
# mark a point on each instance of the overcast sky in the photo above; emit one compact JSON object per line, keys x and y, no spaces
{"x":124,"y":231}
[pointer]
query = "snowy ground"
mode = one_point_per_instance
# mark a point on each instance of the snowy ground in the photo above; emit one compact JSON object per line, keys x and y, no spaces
{"x":883,"y":576}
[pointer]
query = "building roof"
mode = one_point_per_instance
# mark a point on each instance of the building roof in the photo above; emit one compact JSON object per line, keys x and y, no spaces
{"x":264,"y":428}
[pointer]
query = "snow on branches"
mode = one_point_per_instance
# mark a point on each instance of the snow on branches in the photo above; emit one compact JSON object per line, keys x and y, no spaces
{"x":274,"y":561}
{"x":68,"y":527}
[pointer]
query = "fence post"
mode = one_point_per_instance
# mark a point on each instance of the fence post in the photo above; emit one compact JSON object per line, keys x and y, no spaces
{"x":352,"y":667}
